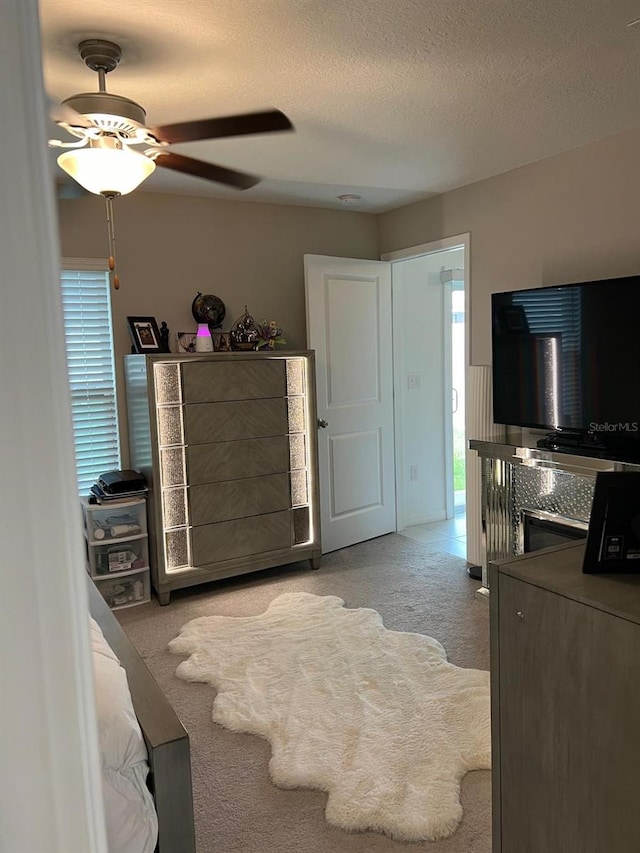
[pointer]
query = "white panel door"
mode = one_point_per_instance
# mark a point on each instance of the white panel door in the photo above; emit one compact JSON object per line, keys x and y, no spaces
{"x":349,"y":326}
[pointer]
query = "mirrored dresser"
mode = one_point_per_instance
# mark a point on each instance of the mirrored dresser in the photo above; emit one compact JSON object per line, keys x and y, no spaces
{"x":227,"y":442}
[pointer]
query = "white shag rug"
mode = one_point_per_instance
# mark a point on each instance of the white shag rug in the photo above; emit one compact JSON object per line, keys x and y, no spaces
{"x":379,"y":719}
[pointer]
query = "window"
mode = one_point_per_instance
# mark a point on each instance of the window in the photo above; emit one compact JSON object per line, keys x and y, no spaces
{"x":90,"y":362}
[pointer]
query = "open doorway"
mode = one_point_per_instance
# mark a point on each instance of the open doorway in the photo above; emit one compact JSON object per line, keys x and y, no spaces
{"x":399,"y":390}
{"x":430,"y":355}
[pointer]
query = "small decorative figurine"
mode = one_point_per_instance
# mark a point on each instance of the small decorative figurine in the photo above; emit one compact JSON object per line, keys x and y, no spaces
{"x":164,"y":337}
{"x":243,"y":335}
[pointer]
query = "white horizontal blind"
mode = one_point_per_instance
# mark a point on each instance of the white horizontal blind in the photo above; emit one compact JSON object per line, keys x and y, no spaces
{"x":89,"y":341}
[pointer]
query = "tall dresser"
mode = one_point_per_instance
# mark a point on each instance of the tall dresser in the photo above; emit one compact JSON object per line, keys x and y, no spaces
{"x":227,"y":442}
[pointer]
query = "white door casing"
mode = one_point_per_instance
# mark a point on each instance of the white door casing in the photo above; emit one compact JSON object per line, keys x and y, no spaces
{"x":349,"y":325}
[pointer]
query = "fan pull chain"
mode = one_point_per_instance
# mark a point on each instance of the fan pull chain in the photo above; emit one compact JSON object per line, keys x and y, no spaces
{"x":113,"y":274}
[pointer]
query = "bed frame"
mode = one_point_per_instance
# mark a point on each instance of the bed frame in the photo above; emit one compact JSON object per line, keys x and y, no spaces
{"x":166,"y":738}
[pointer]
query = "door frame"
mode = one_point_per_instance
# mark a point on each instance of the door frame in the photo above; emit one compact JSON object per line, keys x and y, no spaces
{"x":447,"y":301}
{"x":458,"y":241}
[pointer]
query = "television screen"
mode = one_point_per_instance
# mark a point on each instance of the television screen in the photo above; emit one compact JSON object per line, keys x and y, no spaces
{"x":567,"y":358}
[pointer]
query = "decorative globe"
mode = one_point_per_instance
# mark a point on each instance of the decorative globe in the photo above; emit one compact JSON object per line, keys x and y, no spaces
{"x":208,"y":309}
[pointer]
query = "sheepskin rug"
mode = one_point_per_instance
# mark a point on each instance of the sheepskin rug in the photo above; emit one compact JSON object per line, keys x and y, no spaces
{"x":376,"y":718}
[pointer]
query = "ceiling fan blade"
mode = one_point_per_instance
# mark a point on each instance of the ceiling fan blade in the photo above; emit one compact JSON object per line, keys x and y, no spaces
{"x":208,"y":171}
{"x":67,"y":115}
{"x":214,"y":128}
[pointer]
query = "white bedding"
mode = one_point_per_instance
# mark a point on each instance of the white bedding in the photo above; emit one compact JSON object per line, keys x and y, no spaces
{"x":131,"y":821}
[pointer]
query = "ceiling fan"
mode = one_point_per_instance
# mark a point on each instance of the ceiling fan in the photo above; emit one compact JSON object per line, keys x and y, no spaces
{"x":112,"y":123}
{"x":115,"y":151}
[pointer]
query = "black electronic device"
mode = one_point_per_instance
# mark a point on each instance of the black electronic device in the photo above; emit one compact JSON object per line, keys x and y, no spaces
{"x":121,"y":482}
{"x":613,"y":540}
{"x":567,"y":359}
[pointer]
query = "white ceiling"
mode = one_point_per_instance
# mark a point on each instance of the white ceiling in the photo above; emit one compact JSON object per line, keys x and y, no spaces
{"x":393,"y":100}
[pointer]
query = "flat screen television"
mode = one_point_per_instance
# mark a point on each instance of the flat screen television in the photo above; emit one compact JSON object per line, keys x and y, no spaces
{"x":567,"y":359}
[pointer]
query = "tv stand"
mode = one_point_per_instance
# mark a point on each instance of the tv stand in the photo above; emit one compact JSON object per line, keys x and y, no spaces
{"x":517,"y":477}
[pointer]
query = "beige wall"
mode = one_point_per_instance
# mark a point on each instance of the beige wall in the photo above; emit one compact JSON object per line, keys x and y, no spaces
{"x":169,"y":247}
{"x":572,"y":217}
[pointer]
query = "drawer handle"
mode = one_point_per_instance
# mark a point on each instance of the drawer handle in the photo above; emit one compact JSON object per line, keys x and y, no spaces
{"x":519,"y":614}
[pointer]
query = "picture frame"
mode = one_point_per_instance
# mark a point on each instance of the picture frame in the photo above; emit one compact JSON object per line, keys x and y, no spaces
{"x":145,"y":335}
{"x":186,"y":342}
{"x":613,"y":538}
{"x":221,"y":341}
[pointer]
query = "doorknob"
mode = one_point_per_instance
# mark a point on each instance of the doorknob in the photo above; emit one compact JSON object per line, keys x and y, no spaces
{"x":322,"y":424}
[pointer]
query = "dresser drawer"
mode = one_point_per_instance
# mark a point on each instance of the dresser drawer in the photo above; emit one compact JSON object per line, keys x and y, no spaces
{"x":238,"y":498}
{"x":234,"y":460}
{"x":208,"y":422}
{"x":204,"y":381}
{"x":242,"y":537}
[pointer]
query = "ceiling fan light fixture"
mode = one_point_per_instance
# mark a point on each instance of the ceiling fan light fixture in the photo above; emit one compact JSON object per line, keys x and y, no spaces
{"x":111,"y":123}
{"x":107,"y":171}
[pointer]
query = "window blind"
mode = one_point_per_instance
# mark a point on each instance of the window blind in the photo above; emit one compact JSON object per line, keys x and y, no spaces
{"x":90,"y":363}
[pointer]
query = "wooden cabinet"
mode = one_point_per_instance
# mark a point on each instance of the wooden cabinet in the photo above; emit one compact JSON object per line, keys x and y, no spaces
{"x":565,"y":656}
{"x":227,"y":442}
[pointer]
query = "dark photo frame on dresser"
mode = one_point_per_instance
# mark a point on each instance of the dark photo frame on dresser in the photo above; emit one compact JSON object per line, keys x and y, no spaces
{"x":145,"y":335}
{"x":613,"y":540}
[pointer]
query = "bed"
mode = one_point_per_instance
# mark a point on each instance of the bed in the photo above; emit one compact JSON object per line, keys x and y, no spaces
{"x":167,"y":748}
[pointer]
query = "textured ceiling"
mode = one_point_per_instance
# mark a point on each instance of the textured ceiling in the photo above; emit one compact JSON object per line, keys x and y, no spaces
{"x":393,"y":100}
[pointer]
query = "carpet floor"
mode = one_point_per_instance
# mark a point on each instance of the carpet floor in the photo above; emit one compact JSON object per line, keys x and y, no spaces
{"x":236,"y":806}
